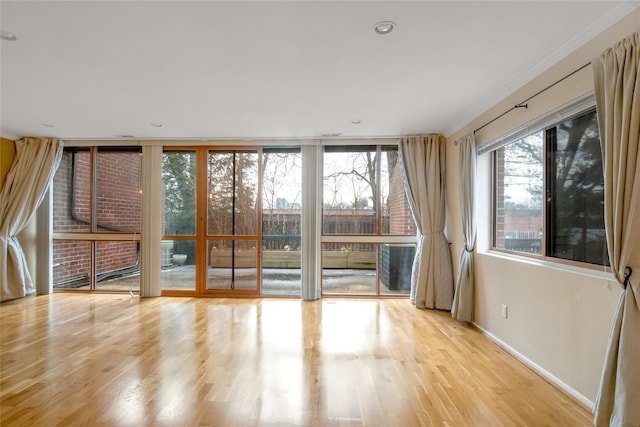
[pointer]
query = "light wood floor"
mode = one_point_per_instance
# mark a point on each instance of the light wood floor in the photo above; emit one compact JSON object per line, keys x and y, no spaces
{"x":108,"y":360}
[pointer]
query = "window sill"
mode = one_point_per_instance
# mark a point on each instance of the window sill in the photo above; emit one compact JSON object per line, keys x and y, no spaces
{"x":589,"y":272}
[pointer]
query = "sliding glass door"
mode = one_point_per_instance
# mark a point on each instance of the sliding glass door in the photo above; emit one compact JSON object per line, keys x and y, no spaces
{"x":233,"y":227}
{"x":211,"y":221}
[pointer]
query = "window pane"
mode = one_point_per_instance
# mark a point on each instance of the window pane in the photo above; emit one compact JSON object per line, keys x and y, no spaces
{"x":396,"y":265}
{"x":246,"y":194}
{"x":396,"y":214}
{"x":518,"y":195}
{"x":118,"y":190}
{"x":117,"y":266}
{"x":349,"y":268}
{"x":71,"y":264}
{"x":178,"y":265}
{"x":232,"y":264}
{"x":179,"y":178}
{"x":576,"y":210}
{"x":71,"y":192}
{"x":232,"y":193}
{"x":281,"y":205}
{"x":349,"y":190}
{"x":220,"y":193}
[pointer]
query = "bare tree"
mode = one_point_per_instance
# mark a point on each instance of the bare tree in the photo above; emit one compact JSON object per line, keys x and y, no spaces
{"x":281,"y":172}
{"x":232,"y":192}
{"x":350,"y":176}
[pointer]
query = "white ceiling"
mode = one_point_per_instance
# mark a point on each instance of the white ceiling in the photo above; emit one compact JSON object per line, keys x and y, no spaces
{"x":293,"y":69}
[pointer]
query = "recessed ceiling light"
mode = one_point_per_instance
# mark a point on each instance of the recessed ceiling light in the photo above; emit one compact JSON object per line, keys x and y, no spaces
{"x":156,"y":124}
{"x":125,"y":136}
{"x":47,"y":125}
{"x":384,"y":27}
{"x":356,"y":122}
{"x":6,"y":35}
{"x":331,"y":134}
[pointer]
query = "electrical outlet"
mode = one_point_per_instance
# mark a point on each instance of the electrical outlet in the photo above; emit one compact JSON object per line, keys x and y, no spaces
{"x":505,"y":311}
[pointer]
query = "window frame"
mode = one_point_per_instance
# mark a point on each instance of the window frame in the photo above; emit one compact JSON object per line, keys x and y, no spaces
{"x":377,"y":238}
{"x":93,"y":235}
{"x":494,"y":189}
{"x":550,"y":120}
{"x":151,"y":233}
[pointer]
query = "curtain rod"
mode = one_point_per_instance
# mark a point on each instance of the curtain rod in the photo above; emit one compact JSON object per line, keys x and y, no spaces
{"x":523,"y":104}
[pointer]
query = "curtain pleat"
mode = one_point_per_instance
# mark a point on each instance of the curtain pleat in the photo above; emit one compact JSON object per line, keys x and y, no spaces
{"x":463,"y":298}
{"x":311,"y":222}
{"x":617,"y":90}
{"x":423,"y":168}
{"x":151,"y":227}
{"x":31,"y":174}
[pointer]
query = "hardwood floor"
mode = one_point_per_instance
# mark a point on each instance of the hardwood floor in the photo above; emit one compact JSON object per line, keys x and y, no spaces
{"x":108,"y":360}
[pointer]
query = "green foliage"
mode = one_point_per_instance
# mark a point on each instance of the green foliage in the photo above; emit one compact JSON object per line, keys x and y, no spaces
{"x":179,"y":177}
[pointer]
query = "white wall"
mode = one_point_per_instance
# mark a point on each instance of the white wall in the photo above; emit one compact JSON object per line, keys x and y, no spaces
{"x":559,"y":317}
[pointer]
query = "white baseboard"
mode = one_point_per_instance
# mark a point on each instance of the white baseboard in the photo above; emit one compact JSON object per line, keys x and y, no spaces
{"x":582,"y":400}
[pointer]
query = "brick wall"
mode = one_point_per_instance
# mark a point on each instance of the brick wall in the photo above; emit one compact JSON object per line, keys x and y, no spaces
{"x":69,"y":214}
{"x":119,"y":201}
{"x":71,"y":261}
{"x":115,"y":256}
{"x":400,"y":218}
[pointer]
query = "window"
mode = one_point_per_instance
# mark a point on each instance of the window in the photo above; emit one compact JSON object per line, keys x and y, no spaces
{"x":96,"y":219}
{"x":364,"y":193}
{"x":575,"y":212}
{"x":368,"y":229}
{"x":231,"y":220}
{"x":518,"y":195}
{"x":548,"y":194}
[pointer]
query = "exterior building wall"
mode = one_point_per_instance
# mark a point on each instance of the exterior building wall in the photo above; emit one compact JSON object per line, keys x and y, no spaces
{"x":400,"y":217}
{"x":119,"y":201}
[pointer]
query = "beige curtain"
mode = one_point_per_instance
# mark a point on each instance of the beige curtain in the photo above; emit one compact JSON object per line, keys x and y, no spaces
{"x":31,"y":173}
{"x":463,"y":298}
{"x":423,"y":167}
{"x":617,"y":89}
{"x":311,"y":221}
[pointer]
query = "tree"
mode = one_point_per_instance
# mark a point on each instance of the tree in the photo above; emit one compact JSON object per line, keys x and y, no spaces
{"x":350,"y":183}
{"x":232,"y":192}
{"x":523,"y":167}
{"x":577,"y":204}
{"x":281,"y":191}
{"x":179,"y":177}
{"x":574,"y":186}
{"x":351,"y":174}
